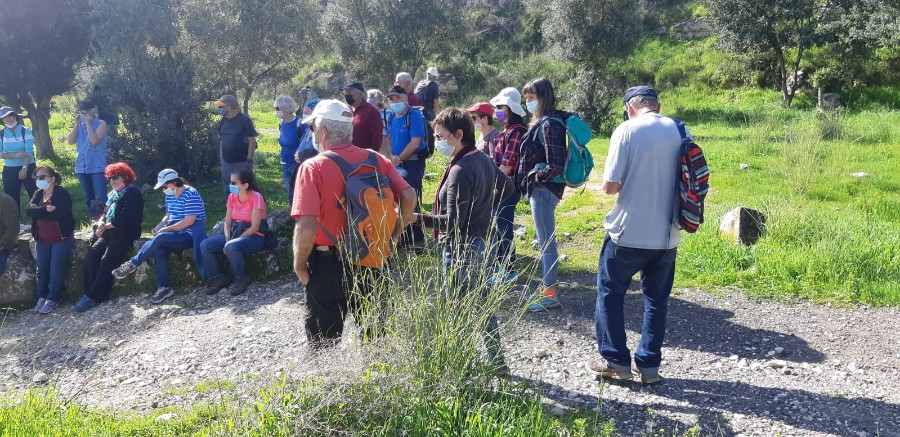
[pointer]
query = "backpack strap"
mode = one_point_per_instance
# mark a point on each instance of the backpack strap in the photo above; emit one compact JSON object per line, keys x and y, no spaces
{"x":681,"y":129}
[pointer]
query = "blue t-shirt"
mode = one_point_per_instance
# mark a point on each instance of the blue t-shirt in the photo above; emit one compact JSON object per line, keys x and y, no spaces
{"x":16,"y":140}
{"x":401,"y":135}
{"x":90,"y":158}
{"x":289,"y":137}
{"x":188,"y":203}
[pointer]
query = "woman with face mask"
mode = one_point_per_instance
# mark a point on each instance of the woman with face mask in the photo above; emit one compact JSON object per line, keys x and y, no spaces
{"x":114,"y":235}
{"x":52,"y":226}
{"x":17,"y":151}
{"x":243,"y":234}
{"x":482,"y":114}
{"x":290,"y":134}
{"x":183,"y":227}
{"x":88,"y":134}
{"x":541,"y":163}
{"x":471,"y":187}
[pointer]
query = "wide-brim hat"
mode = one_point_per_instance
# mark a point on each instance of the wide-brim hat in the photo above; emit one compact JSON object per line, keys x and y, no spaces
{"x":6,"y":111}
{"x":509,"y":97}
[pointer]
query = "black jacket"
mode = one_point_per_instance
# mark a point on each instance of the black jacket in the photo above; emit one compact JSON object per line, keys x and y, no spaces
{"x":62,"y":214}
{"x":129,"y":214}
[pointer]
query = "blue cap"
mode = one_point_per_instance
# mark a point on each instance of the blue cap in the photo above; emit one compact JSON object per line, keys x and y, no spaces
{"x":639,"y":91}
{"x":311,"y":103}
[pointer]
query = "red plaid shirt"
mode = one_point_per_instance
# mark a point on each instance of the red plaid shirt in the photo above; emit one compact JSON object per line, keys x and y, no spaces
{"x":508,"y":145}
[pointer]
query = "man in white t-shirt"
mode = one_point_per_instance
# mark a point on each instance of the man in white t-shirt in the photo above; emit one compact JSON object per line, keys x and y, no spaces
{"x":641,"y":169}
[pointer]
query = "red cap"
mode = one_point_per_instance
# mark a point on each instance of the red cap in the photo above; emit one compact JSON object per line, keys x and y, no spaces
{"x":482,"y":107}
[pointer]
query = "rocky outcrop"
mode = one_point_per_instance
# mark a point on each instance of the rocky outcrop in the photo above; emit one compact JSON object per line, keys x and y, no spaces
{"x":696,"y":28}
{"x":18,"y":285}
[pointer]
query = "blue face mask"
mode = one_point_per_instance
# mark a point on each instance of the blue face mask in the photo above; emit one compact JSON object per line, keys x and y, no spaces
{"x":43,"y":185}
{"x":398,"y":107}
{"x":533,"y":105}
{"x":234,"y":189}
{"x":222,"y":110}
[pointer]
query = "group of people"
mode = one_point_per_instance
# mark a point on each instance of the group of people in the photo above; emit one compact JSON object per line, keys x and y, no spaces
{"x":389,"y":134}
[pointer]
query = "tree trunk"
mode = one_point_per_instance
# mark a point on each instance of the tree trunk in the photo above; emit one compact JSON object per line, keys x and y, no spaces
{"x":248,"y":91}
{"x":40,"y":126}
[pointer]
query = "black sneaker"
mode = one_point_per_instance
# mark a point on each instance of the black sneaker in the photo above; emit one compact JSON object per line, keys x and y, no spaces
{"x":240,"y":286}
{"x":218,"y":284}
{"x":162,"y":294}
{"x":124,"y":270}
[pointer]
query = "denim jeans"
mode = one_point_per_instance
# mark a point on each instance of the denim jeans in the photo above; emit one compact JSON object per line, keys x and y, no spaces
{"x":287,"y":169}
{"x":415,"y":169}
{"x":235,"y":250}
{"x":94,"y":187}
{"x":616,"y":268}
{"x":504,"y":216}
{"x":543,"y":211}
{"x":467,"y":271}
{"x":12,"y":185}
{"x":160,"y":247}
{"x":52,"y":260}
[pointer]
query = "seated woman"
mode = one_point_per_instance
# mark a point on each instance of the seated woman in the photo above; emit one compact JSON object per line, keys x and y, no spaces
{"x":245,"y":218}
{"x":116,"y":232}
{"x":471,"y":187}
{"x":183,"y":227}
{"x":53,"y":228}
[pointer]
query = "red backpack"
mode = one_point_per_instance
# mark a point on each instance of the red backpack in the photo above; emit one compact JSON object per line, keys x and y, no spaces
{"x":693,"y":183}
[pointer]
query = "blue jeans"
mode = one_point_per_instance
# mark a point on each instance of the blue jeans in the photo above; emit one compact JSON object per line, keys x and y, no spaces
{"x":94,"y":187}
{"x":235,"y":250}
{"x":543,"y":210}
{"x":504,"y":216}
{"x":160,"y":247}
{"x":52,"y":259}
{"x":415,"y":169}
{"x":466,"y":273}
{"x":616,"y":268}
{"x":287,"y":169}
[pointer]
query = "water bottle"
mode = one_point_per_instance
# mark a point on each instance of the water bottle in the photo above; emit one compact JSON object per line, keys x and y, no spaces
{"x":402,"y":171}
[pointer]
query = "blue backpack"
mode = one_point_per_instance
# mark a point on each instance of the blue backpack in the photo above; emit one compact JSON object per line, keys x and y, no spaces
{"x":579,"y":161}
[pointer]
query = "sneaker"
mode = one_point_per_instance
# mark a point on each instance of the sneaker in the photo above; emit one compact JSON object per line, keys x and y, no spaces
{"x":240,"y":286}
{"x":218,"y":284}
{"x":85,"y":303}
{"x":124,"y":270}
{"x":40,"y":304}
{"x":503,"y":277}
{"x":648,"y":378}
{"x":49,"y":306}
{"x":162,"y":294}
{"x":544,"y":303}
{"x":602,"y":369}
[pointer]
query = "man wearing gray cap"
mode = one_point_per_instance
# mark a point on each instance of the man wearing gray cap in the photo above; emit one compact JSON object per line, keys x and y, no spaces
{"x":644,"y":154}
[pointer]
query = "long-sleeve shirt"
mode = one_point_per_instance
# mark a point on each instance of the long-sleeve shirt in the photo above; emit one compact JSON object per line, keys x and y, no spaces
{"x":9,"y":222}
{"x":543,"y":155}
{"x":508,"y":146}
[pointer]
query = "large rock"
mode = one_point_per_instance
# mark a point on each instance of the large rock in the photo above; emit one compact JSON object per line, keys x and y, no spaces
{"x":692,"y":29}
{"x":743,"y":225}
{"x":18,"y":285}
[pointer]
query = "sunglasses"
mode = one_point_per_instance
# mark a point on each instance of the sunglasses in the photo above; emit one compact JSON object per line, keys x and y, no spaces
{"x":277,"y":108}
{"x":42,"y":177}
{"x":114,"y":178}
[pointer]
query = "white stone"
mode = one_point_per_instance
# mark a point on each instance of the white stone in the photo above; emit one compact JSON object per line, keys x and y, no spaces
{"x":117,"y":316}
{"x":779,"y":350}
{"x":165,"y":417}
{"x":776,"y":364}
{"x":860,"y":174}
{"x":564,"y":257}
{"x":119,"y":343}
{"x":121,"y":377}
{"x":733,"y":358}
{"x":131,"y":380}
{"x":40,"y":377}
{"x":770,"y":354}
{"x":541,"y":353}
{"x":745,"y":166}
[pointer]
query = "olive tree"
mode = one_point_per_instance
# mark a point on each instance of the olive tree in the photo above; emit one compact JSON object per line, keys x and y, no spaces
{"x":43,"y":43}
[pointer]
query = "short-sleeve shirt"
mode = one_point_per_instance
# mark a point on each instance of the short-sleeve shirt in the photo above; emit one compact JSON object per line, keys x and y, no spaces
{"x":643,"y":158}
{"x":367,"y":127}
{"x":188,"y":203}
{"x":320,"y":186}
{"x":243,"y":211}
{"x":235,"y":133}
{"x":89,"y":158}
{"x":406,"y":127}
{"x":290,"y":133}
{"x":427,"y":91}
{"x":486,"y":143}
{"x":16,"y":140}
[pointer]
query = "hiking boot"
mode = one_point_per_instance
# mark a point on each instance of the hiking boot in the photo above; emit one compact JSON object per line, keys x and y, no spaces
{"x":85,"y":303}
{"x":162,"y":294}
{"x":218,"y":284}
{"x":40,"y":304}
{"x":603,"y":369}
{"x":543,"y":303}
{"x":124,"y":270}
{"x":648,"y":378}
{"x":240,"y":286}
{"x":49,"y":305}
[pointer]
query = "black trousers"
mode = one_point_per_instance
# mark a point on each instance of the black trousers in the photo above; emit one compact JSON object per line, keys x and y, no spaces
{"x":101,"y":259}
{"x":335,"y":290}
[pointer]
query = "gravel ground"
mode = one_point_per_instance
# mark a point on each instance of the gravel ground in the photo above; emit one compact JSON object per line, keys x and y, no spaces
{"x":733,"y":366}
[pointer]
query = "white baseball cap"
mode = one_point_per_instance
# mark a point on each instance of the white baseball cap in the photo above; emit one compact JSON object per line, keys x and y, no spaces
{"x":433,"y":71}
{"x":330,"y":110}
{"x":165,"y":176}
{"x":509,"y":97}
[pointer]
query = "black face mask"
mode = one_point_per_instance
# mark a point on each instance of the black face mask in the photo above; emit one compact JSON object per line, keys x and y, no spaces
{"x":349,"y":98}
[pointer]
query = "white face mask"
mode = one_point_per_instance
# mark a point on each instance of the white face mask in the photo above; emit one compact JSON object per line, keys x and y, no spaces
{"x":169,"y":191}
{"x":532,"y":106}
{"x":478,"y":126}
{"x":279,"y":114}
{"x":12,"y":125}
{"x":444,"y":148}
{"x":318,"y":144}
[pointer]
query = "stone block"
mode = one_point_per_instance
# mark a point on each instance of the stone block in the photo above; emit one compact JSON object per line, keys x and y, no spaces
{"x":743,"y":225}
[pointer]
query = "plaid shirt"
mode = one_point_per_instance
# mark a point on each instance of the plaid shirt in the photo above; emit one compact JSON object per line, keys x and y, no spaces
{"x":549,"y":153}
{"x":507,"y":146}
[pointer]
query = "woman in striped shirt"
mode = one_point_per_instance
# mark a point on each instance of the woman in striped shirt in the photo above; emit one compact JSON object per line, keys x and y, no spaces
{"x":17,"y":152}
{"x":183,"y":227}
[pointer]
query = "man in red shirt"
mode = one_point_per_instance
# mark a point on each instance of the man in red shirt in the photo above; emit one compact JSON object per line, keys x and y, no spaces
{"x":367,"y":123}
{"x":319,"y":186}
{"x":404,"y":80}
